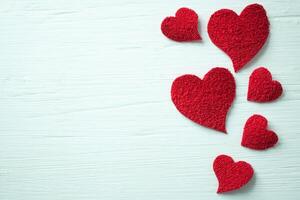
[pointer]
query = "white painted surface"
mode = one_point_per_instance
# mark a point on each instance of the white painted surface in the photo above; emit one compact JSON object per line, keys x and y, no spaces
{"x":86,"y":111}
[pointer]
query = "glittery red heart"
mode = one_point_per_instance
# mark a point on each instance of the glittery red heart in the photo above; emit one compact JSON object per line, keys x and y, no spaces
{"x":261,"y":86}
{"x":182,"y":27}
{"x":256,"y":136}
{"x":231,"y":175}
{"x":206,"y":101}
{"x":239,"y":36}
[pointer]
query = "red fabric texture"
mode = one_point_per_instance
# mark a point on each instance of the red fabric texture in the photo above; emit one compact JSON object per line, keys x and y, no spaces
{"x":261,"y":86}
{"x":231,"y":175}
{"x":239,"y":36}
{"x":183,"y":27}
{"x":256,"y":136}
{"x":206,"y":101}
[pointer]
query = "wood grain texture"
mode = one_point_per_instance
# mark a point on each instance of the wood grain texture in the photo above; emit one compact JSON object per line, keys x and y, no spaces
{"x":86,"y":111}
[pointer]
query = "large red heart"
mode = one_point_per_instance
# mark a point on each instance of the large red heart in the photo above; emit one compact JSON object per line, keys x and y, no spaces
{"x":182,"y":27}
{"x":240,"y":37}
{"x":261,"y":86}
{"x":206,"y":101}
{"x":256,"y":136}
{"x":231,"y":175}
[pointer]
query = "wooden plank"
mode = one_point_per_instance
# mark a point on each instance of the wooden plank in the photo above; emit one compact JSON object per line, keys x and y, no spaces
{"x":86,"y":109}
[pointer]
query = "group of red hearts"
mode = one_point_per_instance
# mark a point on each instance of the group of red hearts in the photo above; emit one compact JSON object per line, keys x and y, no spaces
{"x":206,"y":101}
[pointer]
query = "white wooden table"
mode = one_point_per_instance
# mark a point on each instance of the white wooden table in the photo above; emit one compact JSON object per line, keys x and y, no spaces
{"x":86,"y":111}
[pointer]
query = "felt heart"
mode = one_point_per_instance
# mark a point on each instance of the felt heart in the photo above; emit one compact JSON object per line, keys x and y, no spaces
{"x":206,"y":101}
{"x":231,"y":175}
{"x":256,"y":136}
{"x":261,"y":86}
{"x":182,"y":27}
{"x":240,"y":37}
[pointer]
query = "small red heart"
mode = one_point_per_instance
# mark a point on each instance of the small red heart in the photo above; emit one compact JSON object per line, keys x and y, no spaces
{"x":256,"y":136}
{"x":261,"y":86}
{"x":231,"y":175}
{"x":182,"y":27}
{"x":240,"y":37}
{"x":206,"y":101}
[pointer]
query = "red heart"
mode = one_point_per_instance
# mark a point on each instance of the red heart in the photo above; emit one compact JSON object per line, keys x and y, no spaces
{"x":231,"y":175}
{"x":261,"y":86}
{"x":182,"y":27}
{"x":206,"y":101}
{"x":256,"y":136}
{"x":240,"y":37}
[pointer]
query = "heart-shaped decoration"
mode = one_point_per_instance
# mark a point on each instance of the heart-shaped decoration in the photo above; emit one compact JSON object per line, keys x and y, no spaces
{"x":240,"y":37}
{"x":261,"y":86}
{"x":231,"y":175}
{"x":256,"y":136}
{"x":206,"y":101}
{"x":182,"y":27}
